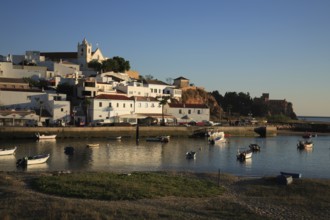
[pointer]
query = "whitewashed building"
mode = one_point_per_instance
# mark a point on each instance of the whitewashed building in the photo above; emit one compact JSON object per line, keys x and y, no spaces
{"x":188,"y":112}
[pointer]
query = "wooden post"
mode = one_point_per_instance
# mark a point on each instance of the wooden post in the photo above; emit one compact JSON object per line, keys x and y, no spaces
{"x":137,"y":134}
{"x":219,"y":178}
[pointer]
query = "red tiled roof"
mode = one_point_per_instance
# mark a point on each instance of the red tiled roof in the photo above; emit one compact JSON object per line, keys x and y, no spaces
{"x":113,"y":97}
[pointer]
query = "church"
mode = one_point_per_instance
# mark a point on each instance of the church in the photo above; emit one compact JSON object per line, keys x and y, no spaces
{"x":82,"y":57}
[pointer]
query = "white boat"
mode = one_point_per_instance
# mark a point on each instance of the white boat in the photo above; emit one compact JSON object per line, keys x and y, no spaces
{"x":93,"y":145}
{"x":37,"y":159}
{"x":217,"y":137}
{"x":7,"y":151}
{"x":44,"y":136}
{"x":243,"y":155}
{"x":305,"y":144}
{"x":115,"y":138}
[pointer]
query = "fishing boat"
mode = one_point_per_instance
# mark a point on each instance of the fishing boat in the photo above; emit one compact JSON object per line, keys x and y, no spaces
{"x":45,"y":137}
{"x":93,"y":145}
{"x":191,"y":155}
{"x":304,"y":144}
{"x":294,"y":175}
{"x":164,"y":139}
{"x":217,"y":137}
{"x":31,"y":160}
{"x":7,"y":151}
{"x":243,"y":155}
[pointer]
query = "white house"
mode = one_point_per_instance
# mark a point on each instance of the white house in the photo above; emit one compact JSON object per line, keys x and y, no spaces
{"x":110,"y":107}
{"x":188,"y":112}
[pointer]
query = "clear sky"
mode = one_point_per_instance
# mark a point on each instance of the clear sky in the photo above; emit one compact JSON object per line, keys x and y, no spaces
{"x":280,"y":47}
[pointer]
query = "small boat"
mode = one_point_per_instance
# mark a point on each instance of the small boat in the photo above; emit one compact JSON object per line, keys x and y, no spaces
{"x":307,"y":135}
{"x":37,"y":159}
{"x":69,"y":150}
{"x":217,"y":137}
{"x":163,"y":139}
{"x":254,"y":147}
{"x":115,"y":138}
{"x":294,"y":175}
{"x":243,"y":155}
{"x":304,"y":144}
{"x":7,"y":151}
{"x":44,"y":136}
{"x":93,"y":145}
{"x":191,"y":155}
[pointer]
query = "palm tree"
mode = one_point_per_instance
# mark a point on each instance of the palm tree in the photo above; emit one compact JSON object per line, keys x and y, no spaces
{"x":163,"y":101}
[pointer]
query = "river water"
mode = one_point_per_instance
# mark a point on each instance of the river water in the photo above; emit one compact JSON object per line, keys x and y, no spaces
{"x":277,"y":154}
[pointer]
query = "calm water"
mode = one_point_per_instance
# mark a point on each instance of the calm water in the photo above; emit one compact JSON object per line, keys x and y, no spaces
{"x":314,"y":118}
{"x":277,"y":154}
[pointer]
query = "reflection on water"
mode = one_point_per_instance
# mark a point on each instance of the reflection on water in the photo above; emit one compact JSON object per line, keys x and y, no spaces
{"x":277,"y":154}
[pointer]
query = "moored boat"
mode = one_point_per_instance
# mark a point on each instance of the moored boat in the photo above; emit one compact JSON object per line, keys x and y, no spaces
{"x":304,"y":144}
{"x":254,"y":147}
{"x":93,"y":145}
{"x":191,"y":155}
{"x":118,"y":138}
{"x":164,"y":139}
{"x":37,"y":159}
{"x":45,"y":136}
{"x":7,"y":151}
{"x":243,"y":155}
{"x":217,"y":137}
{"x":294,"y":175}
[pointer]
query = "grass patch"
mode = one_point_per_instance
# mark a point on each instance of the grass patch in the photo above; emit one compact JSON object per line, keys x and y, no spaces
{"x":114,"y":186}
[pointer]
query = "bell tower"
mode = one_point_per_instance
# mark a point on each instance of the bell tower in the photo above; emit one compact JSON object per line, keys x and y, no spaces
{"x":84,"y":53}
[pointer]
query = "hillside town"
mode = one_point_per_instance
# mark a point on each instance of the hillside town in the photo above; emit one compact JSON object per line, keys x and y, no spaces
{"x":99,"y":97}
{"x":95,"y":97}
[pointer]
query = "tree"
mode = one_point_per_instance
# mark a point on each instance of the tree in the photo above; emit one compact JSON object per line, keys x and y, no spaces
{"x":116,"y":64}
{"x":94,"y":64}
{"x":163,"y":101}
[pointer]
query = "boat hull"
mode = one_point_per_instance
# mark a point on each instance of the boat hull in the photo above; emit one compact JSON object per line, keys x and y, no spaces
{"x":7,"y":151}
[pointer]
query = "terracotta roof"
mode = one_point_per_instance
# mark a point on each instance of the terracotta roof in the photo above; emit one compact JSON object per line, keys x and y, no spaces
{"x":113,"y":97}
{"x":180,"y":105}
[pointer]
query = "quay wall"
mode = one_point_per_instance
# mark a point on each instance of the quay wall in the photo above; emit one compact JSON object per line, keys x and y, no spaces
{"x":124,"y":131}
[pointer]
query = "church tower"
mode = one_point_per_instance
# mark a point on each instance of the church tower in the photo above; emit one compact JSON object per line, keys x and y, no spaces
{"x":84,"y":53}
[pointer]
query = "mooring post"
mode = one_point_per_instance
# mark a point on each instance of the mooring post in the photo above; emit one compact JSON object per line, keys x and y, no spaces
{"x":137,"y":134}
{"x":219,"y":178}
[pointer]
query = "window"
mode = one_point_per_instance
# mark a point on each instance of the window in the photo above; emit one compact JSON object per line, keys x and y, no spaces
{"x":110,"y":105}
{"x":100,"y":104}
{"x":117,"y":105}
{"x":62,"y":110}
{"x":131,"y":105}
{"x":180,"y":111}
{"x":152,"y":105}
{"x":199,"y":112}
{"x":124,"y":105}
{"x":189,"y":111}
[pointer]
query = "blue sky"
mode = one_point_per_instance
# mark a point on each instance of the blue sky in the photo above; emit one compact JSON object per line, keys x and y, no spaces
{"x":281,"y":47}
